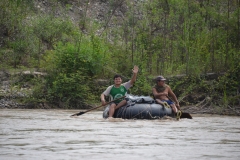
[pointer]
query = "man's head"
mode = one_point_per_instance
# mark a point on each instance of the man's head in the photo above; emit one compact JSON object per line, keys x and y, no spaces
{"x":160,"y":80}
{"x":117,"y":79}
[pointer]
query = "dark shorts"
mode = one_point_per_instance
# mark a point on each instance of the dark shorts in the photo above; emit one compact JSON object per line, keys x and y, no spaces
{"x":113,"y":103}
{"x":168,"y":101}
{"x":119,"y":102}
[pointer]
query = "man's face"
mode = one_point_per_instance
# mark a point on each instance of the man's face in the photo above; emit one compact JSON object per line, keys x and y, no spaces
{"x":118,"y":80}
{"x":160,"y":82}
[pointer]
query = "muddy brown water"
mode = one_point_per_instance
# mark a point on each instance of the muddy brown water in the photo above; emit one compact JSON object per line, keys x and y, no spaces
{"x":53,"y":134}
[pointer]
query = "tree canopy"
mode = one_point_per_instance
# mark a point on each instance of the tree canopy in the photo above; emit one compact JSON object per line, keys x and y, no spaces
{"x":168,"y":37}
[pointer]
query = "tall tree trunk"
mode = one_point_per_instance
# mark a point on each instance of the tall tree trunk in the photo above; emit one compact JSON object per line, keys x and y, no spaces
{"x":182,"y":47}
{"x":188,"y":36}
{"x":211,"y":50}
{"x":110,"y":17}
{"x":164,"y":48}
{"x":238,"y":24}
{"x":227,"y":43}
{"x":133,"y":32}
{"x":82,"y":27}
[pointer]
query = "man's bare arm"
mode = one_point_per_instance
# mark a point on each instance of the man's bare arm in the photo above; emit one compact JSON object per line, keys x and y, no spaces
{"x":103,"y":99}
{"x":171,"y":94}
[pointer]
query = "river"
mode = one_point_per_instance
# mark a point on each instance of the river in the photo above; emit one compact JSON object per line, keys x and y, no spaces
{"x":53,"y":134}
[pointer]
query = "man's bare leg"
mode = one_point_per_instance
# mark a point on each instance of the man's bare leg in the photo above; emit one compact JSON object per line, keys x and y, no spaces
{"x":114,"y":107}
{"x":165,"y":104}
{"x":159,"y":101}
{"x":176,"y":111}
{"x":174,"y":108}
{"x":178,"y":107}
{"x":111,"y":110}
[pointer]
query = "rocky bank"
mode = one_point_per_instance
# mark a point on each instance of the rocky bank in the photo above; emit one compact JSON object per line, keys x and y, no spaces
{"x":11,"y":93}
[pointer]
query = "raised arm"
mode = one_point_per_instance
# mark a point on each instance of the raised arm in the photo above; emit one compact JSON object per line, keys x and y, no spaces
{"x":135,"y":71}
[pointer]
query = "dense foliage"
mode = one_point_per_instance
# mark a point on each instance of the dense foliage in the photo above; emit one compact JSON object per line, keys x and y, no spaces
{"x":170,"y":37}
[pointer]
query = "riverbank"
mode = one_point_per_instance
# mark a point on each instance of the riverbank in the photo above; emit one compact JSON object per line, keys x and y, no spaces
{"x":16,"y":90}
{"x":6,"y":103}
{"x":230,"y":111}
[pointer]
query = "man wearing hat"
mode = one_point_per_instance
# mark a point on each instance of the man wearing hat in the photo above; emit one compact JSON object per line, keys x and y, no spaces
{"x":162,"y":93}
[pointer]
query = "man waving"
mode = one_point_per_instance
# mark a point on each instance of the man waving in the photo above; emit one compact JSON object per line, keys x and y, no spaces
{"x":117,"y":90}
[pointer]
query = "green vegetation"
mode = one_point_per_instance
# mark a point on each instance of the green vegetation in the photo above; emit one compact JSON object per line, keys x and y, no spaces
{"x":171,"y":37}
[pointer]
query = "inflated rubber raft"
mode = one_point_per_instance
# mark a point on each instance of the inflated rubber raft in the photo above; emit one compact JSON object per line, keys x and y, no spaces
{"x":140,"y":107}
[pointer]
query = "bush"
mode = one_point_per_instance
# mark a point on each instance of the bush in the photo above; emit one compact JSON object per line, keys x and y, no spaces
{"x":71,"y":73}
